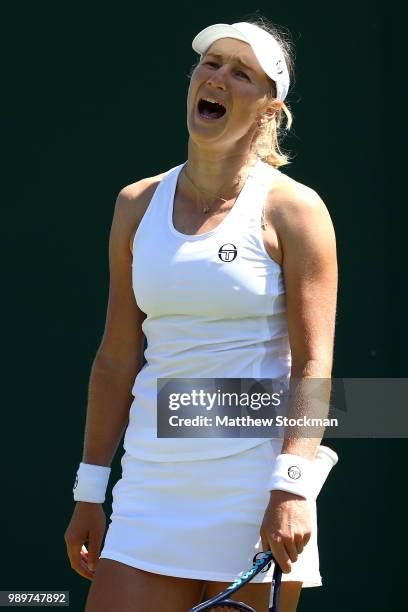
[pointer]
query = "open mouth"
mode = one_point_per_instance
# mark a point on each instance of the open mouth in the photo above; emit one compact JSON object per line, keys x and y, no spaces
{"x":210,"y":109}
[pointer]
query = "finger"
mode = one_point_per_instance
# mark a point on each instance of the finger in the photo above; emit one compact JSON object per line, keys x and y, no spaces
{"x":94,"y":546}
{"x":84,"y":559}
{"x":280,"y":554}
{"x":299,"y":544}
{"x":265,"y":544}
{"x":306,"y":538}
{"x":85,"y":571}
{"x":75,"y":557}
{"x":291,"y":550}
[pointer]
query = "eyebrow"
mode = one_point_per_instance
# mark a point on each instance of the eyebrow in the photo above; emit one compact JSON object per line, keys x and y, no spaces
{"x":239,"y":60}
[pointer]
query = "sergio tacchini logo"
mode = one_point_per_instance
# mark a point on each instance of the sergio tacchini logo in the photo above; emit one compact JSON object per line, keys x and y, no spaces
{"x":227,"y":252}
{"x":294,"y":472}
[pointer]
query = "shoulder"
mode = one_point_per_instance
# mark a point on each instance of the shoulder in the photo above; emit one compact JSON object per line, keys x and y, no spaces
{"x":133,"y":199}
{"x":132,"y":202}
{"x":293,"y":207}
{"x":287,"y":196}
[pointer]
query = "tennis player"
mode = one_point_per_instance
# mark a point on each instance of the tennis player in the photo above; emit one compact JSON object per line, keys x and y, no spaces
{"x":228,"y":267}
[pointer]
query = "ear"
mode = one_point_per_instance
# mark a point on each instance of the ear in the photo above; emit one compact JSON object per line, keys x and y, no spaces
{"x":269,"y":111}
{"x":272,"y":109}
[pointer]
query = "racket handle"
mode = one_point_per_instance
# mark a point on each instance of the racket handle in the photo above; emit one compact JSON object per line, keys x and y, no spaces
{"x":277,"y":577}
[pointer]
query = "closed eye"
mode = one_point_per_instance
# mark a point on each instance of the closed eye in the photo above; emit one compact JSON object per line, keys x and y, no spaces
{"x":239,"y":72}
{"x":243,"y":74}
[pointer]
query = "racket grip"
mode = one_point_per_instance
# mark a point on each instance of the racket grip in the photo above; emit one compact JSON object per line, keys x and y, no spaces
{"x":277,"y":577}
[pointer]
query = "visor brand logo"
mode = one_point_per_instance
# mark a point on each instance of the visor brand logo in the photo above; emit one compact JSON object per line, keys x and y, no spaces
{"x":279,"y":66}
{"x":227,"y":252}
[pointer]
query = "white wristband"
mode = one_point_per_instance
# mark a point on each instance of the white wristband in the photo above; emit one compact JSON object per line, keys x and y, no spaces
{"x":294,"y":474}
{"x":91,"y":482}
{"x":325,"y":459}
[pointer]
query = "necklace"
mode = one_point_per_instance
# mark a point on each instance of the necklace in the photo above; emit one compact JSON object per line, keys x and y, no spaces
{"x":206,"y":209}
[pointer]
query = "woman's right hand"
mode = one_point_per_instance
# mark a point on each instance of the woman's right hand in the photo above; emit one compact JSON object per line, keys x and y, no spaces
{"x":87,"y":525}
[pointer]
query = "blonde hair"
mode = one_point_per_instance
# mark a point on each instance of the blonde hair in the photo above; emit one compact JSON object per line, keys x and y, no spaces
{"x":266,"y":142}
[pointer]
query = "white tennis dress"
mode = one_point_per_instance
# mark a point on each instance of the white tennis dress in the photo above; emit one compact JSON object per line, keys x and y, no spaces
{"x":215,"y":306}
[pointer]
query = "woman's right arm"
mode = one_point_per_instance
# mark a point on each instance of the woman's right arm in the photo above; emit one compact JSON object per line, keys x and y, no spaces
{"x":119,"y":356}
{"x":116,"y":364}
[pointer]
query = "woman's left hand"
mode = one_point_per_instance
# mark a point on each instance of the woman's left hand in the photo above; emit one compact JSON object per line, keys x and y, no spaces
{"x":286,"y":528}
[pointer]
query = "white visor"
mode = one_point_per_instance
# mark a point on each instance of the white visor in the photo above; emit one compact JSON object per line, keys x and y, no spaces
{"x":265,"y":47}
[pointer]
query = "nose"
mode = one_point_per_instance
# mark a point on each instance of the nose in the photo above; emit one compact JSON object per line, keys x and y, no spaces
{"x":217,"y":80}
{"x":216,"y":84}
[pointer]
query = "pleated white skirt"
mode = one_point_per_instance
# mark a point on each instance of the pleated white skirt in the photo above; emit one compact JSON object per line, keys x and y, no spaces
{"x":199,"y":519}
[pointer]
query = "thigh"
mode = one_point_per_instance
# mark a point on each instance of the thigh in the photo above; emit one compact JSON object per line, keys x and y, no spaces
{"x":289,"y":596}
{"x":257,"y":595}
{"x":117,"y":587}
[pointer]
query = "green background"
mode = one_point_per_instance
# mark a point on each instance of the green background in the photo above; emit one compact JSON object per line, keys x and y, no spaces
{"x":93,"y":99}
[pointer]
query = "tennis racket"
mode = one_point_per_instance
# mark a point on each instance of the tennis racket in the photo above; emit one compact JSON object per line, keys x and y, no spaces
{"x":223,"y":602}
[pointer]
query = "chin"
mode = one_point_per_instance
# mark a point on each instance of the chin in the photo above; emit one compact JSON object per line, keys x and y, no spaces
{"x":205,"y":130}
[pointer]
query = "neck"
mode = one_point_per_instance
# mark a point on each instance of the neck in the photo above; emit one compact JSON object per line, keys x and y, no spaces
{"x":215,"y":173}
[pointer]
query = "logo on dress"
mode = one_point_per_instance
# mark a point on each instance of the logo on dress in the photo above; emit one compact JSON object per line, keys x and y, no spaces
{"x":294,"y":472}
{"x":227,"y":252}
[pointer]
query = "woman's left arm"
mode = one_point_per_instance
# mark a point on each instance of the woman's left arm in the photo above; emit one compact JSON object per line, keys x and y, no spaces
{"x":309,"y":263}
